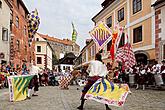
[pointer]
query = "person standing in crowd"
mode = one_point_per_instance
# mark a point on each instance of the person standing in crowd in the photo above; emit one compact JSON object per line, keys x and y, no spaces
{"x":96,"y":70}
{"x":163,"y":70}
{"x":150,"y":76}
{"x":45,"y":74}
{"x":142,"y":77}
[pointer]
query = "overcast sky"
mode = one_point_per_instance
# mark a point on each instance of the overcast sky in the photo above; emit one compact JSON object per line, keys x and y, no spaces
{"x":56,"y":17}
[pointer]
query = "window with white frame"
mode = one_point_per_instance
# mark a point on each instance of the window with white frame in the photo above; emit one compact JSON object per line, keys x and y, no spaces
{"x":39,"y":60}
{"x":121,"y":15}
{"x":137,"y":34}
{"x":137,"y":6}
{"x":109,"y":21}
{"x":4,"y":34}
{"x":38,"y":48}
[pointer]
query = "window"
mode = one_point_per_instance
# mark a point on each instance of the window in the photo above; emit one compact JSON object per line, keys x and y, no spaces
{"x":121,"y":14}
{"x":17,"y":22}
{"x":63,"y":67}
{"x":37,"y":39}
{"x":38,"y":48}
{"x":93,"y":51}
{"x":164,"y":51}
{"x":109,"y":21}
{"x":109,"y":45}
{"x":18,"y":45}
{"x":68,"y":67}
{"x":4,"y":34}
{"x":137,"y":6}
{"x":24,"y":30}
{"x":122,"y":40}
{"x":39,"y":60}
{"x":137,"y":34}
{"x":0,"y":4}
{"x":11,"y":19}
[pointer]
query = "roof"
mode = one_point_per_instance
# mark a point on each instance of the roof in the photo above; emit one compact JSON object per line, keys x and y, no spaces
{"x":64,"y":41}
{"x":65,"y":60}
{"x":86,"y":46}
{"x":105,"y":4}
{"x":23,"y":5}
{"x":158,"y":2}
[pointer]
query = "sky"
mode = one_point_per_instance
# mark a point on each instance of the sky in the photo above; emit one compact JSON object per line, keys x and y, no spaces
{"x":57,"y":15}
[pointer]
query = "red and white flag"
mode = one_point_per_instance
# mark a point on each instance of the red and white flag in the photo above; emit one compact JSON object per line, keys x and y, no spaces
{"x":126,"y":55}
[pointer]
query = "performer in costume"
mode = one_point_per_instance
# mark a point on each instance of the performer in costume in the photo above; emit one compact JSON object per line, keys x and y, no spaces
{"x":96,"y":70}
{"x":33,"y":84}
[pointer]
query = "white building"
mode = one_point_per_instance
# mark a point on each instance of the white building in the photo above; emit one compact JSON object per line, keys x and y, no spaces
{"x":66,"y":63}
{"x":43,"y":52}
{"x":4,"y":31}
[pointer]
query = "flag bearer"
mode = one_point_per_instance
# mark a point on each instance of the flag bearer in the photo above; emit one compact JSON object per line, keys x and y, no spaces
{"x":96,"y":70}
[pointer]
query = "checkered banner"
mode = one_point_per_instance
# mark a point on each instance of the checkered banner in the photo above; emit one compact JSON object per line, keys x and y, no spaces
{"x":64,"y":81}
{"x":126,"y":55}
{"x":101,"y":35}
{"x":33,"y":24}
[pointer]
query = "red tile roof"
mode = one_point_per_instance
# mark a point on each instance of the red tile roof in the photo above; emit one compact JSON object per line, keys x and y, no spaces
{"x":64,"y":41}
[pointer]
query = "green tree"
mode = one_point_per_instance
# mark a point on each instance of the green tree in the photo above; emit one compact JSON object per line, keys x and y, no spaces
{"x":55,"y":60}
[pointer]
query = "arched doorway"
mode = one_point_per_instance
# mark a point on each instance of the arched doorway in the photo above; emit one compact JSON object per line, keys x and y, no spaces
{"x":141,"y":57}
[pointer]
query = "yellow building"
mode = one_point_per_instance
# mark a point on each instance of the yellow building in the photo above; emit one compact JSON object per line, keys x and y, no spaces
{"x":88,"y":52}
{"x":138,"y":19}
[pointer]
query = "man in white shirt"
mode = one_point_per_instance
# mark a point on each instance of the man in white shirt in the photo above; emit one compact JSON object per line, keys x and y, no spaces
{"x":96,"y":71}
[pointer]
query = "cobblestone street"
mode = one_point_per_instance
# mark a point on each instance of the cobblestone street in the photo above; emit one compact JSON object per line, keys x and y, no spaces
{"x":52,"y":98}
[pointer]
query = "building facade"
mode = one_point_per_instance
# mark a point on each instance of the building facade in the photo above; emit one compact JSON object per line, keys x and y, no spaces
{"x":43,"y":53}
{"x":87,"y":54}
{"x":159,"y":6}
{"x":20,"y":51}
{"x":62,"y":47}
{"x":5,"y":7}
{"x":138,"y":19}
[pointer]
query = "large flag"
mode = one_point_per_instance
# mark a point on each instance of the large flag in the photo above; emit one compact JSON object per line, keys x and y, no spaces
{"x":18,"y":87}
{"x":116,"y":37}
{"x":74,"y":33}
{"x":101,"y":35}
{"x":113,"y":46}
{"x":126,"y":55}
{"x":33,"y":24}
{"x":107,"y":92}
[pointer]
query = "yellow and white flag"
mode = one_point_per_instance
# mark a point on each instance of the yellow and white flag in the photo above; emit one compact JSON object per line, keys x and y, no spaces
{"x":107,"y":92}
{"x":18,"y":87}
